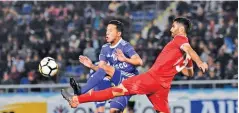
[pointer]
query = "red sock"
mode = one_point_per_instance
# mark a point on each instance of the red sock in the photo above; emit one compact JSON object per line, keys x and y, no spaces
{"x":96,"y":96}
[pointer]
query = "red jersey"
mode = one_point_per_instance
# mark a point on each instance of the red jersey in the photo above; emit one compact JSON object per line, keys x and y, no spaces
{"x":169,"y":62}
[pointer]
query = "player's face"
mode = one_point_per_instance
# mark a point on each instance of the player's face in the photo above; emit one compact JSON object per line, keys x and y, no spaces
{"x":111,"y":33}
{"x":177,"y":29}
{"x":174,"y":29}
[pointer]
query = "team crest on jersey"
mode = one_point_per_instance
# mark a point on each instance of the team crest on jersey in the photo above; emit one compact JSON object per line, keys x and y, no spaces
{"x":112,"y":56}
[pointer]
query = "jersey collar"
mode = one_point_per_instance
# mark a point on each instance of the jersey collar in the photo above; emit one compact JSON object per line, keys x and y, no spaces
{"x":181,"y":36}
{"x":116,"y":44}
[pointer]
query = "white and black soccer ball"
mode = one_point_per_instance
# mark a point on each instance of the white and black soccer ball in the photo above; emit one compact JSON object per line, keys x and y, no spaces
{"x":48,"y":67}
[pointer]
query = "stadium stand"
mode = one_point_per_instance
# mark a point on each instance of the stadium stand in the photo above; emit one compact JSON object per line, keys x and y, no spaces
{"x":64,"y":30}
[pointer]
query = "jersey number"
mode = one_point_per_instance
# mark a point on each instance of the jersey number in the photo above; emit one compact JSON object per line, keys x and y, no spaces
{"x":185,"y":62}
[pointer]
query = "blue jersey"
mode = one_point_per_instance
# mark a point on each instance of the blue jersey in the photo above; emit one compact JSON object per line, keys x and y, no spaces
{"x":108,"y":54}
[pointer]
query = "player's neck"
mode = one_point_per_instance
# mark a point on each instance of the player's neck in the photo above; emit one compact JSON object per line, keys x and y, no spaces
{"x":116,"y":41}
{"x":181,"y":34}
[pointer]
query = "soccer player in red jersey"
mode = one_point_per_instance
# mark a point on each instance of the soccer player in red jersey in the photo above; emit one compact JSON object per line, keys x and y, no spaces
{"x":175,"y":57}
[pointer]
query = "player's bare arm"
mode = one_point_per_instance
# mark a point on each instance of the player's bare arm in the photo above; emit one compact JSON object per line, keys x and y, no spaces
{"x":202,"y":65}
{"x":88,"y":63}
{"x":102,"y":64}
{"x":134,"y":60}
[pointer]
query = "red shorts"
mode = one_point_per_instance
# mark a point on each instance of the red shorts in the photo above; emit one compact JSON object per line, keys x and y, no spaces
{"x":145,"y":84}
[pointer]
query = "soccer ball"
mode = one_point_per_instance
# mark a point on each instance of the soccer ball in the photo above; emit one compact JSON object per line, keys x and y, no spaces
{"x":48,"y":67}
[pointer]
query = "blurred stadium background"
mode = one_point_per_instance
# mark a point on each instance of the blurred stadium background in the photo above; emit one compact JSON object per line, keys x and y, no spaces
{"x":63,"y":30}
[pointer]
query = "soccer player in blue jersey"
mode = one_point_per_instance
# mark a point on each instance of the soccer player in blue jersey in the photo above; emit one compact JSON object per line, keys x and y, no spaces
{"x":119,"y":54}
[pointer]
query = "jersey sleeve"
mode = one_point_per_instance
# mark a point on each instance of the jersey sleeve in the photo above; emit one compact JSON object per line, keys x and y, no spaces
{"x":102,"y":56}
{"x":180,"y":41}
{"x":129,"y":50}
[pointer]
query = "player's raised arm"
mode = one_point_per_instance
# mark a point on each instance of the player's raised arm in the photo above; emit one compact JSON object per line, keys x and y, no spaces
{"x":88,"y":63}
{"x":102,"y":64}
{"x":134,"y":59}
{"x":188,"y":49}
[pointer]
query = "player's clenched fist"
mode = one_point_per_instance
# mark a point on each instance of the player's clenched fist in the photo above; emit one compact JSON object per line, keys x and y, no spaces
{"x":203,"y":66}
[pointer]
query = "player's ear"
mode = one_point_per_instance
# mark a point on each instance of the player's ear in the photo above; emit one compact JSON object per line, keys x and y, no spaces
{"x":181,"y":29}
{"x":119,"y":33}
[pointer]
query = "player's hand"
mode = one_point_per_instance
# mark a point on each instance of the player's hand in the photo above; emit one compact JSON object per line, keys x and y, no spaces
{"x":203,"y":66}
{"x":85,"y":61}
{"x":120,"y":55}
{"x":74,"y":102}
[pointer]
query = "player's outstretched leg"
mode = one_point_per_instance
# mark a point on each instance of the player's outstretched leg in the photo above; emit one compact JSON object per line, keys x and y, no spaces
{"x":95,"y":79}
{"x":94,"y":96}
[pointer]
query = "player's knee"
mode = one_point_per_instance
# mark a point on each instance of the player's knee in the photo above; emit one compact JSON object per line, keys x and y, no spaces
{"x":119,"y":90}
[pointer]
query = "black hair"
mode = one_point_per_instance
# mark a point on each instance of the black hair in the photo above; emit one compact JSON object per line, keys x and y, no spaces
{"x":119,"y":25}
{"x":185,"y":22}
